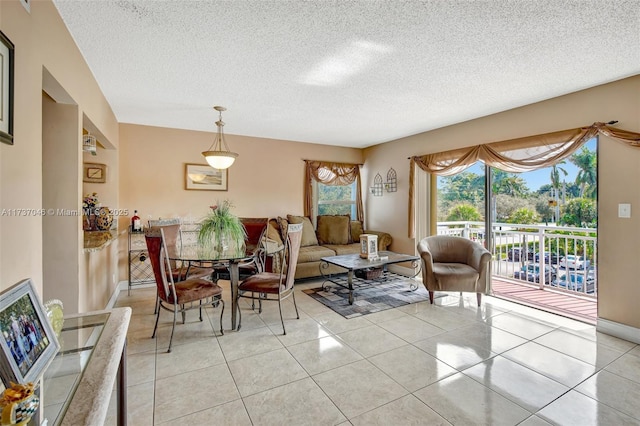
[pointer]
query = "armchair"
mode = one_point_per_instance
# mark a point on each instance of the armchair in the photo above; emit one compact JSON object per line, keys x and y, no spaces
{"x":454,"y":264}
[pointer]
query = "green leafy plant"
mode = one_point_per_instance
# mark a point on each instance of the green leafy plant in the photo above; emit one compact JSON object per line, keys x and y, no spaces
{"x":221,"y":225}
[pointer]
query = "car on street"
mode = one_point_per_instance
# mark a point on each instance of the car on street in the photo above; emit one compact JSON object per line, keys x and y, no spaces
{"x":531,"y":273}
{"x":549,"y":258}
{"x":515,"y":254}
{"x":575,"y":280}
{"x":571,"y":261}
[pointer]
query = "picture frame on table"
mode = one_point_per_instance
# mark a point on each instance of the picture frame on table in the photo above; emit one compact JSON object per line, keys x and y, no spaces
{"x":205,"y":177}
{"x":6,"y":89}
{"x":28,"y":342}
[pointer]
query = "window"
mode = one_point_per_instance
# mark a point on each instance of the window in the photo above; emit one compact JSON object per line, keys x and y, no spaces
{"x":335,"y":199}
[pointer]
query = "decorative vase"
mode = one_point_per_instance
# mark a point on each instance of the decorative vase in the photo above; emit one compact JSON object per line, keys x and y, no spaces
{"x":21,"y":411}
{"x":220,"y":242}
{"x":104,"y":219}
{"x":89,"y":222}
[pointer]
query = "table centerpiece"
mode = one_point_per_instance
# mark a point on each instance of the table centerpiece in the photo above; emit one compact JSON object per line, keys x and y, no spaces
{"x":221,"y":228}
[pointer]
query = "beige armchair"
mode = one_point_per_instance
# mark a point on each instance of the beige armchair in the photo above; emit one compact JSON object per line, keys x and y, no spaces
{"x":454,"y":264}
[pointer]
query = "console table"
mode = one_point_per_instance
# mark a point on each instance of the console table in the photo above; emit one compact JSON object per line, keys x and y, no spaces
{"x":76,"y":387}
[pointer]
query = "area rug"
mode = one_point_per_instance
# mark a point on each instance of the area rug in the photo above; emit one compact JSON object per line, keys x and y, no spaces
{"x":369,"y":298}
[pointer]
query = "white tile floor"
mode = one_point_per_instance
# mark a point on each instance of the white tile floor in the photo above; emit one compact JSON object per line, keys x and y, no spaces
{"x":448,"y":363}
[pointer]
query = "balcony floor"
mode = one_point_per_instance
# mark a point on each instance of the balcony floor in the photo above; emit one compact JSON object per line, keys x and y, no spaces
{"x":575,"y":307}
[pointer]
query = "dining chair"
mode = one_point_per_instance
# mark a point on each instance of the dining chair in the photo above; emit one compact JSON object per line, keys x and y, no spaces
{"x":177,"y":296}
{"x":256,"y":229}
{"x":173,"y":234}
{"x":275,"y":286}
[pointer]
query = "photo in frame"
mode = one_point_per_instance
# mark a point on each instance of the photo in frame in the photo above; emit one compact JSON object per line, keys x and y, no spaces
{"x":204,"y":177}
{"x":6,"y":89}
{"x":28,"y":343}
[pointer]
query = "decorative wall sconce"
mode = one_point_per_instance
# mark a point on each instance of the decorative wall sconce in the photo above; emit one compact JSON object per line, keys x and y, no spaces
{"x":391,"y":185}
{"x":376,"y":189}
{"x":392,"y":181}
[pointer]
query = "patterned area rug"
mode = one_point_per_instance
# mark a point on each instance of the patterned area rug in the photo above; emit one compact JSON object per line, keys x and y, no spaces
{"x":369,"y":298}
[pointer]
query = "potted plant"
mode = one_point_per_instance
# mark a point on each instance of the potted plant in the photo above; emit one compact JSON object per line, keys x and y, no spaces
{"x":222,"y":227}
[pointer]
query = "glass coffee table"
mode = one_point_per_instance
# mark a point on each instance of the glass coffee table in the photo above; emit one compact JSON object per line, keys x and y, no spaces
{"x":367,"y":271}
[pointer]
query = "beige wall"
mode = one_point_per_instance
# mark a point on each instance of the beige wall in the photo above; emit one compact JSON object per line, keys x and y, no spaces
{"x":265,"y":181}
{"x":46,"y":58}
{"x":618,"y":173}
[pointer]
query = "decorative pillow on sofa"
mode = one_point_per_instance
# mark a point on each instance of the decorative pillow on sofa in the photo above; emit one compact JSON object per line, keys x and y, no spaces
{"x":356,"y":231}
{"x":308,"y":234}
{"x":334,"y":229}
{"x":283,"y":224}
{"x":273,"y":231}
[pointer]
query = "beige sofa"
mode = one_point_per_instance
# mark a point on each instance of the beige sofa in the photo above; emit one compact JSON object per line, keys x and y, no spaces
{"x":336,"y":235}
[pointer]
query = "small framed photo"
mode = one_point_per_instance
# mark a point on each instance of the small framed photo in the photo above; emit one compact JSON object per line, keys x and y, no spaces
{"x":204,"y":177}
{"x":28,"y":342}
{"x":6,"y":89}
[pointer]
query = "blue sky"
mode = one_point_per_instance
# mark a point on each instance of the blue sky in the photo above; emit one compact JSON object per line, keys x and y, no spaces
{"x":540,"y":177}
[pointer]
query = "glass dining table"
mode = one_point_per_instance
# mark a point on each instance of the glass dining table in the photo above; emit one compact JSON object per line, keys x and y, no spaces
{"x":195,"y":254}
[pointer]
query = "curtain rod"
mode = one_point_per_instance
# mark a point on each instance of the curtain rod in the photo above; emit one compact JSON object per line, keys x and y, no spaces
{"x":338,"y":162}
{"x":610,"y":123}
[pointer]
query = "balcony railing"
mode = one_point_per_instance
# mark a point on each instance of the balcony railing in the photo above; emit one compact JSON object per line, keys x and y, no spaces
{"x":563,"y":258}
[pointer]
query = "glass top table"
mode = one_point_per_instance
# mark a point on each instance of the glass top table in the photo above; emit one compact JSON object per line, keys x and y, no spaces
{"x":353,"y":262}
{"x":77,"y":385}
{"x":231,"y":257}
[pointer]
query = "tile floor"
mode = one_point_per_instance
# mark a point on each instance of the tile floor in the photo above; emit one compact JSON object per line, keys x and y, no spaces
{"x":448,"y":363}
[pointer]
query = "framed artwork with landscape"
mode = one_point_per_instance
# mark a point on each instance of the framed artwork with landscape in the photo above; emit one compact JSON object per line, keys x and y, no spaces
{"x":6,"y":89}
{"x":28,"y":342}
{"x":204,"y":177}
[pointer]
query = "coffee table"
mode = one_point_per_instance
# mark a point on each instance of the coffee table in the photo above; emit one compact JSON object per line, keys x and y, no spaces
{"x":353,"y":262}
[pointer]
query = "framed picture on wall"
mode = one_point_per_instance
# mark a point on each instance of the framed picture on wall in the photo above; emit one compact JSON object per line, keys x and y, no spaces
{"x":6,"y":89}
{"x":204,"y":177}
{"x":28,"y":343}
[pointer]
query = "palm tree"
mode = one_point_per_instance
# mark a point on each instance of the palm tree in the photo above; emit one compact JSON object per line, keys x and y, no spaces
{"x":587,"y":177}
{"x":555,"y":174}
{"x":555,"y":184}
{"x":509,"y":184}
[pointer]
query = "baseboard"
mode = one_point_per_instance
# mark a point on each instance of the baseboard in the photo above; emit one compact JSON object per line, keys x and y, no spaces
{"x":123,"y":286}
{"x":616,"y":329}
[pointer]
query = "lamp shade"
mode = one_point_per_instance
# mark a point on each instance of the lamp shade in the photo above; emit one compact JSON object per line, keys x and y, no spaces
{"x":220,"y":159}
{"x":218,"y":156}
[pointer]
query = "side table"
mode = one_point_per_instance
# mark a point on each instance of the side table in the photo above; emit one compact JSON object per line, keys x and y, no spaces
{"x":76,"y":387}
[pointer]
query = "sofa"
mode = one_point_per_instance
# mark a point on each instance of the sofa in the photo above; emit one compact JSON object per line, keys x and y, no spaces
{"x":335,"y":235}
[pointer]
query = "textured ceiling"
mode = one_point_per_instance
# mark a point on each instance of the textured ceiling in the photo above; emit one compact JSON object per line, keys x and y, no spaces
{"x":348,"y":73}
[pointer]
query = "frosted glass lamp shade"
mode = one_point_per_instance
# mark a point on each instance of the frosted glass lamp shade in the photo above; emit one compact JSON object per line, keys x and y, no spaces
{"x":220,"y":159}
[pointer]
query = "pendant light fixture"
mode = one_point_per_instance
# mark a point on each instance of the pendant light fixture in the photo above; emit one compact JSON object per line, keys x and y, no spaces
{"x":218,"y":156}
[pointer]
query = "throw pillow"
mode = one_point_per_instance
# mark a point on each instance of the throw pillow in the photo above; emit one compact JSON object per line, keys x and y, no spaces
{"x":284,"y":224}
{"x":356,"y":231}
{"x":333,"y":229}
{"x":308,"y":234}
{"x":273,"y":231}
